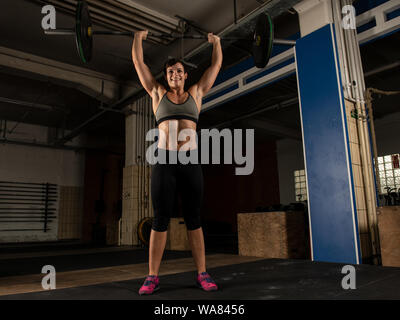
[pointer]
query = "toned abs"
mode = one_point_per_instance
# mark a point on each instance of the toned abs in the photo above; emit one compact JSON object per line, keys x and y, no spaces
{"x":172,"y":128}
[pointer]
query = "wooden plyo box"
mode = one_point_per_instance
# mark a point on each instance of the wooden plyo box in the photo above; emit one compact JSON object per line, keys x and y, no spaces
{"x":177,"y":235}
{"x":272,"y":234}
{"x":389,"y":235}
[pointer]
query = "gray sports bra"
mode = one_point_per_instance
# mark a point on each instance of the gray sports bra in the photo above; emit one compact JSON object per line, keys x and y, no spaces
{"x":168,"y":110}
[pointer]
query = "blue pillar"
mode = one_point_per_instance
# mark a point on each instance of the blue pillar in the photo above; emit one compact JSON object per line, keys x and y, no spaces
{"x":331,"y":197}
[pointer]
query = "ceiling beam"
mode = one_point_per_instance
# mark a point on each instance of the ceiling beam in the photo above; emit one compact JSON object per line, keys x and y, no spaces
{"x":88,"y":81}
{"x":34,"y":105}
{"x":261,"y":109}
{"x":382,"y":69}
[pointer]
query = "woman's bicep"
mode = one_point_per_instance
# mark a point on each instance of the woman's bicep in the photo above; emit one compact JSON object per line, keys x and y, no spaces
{"x":146,"y":78}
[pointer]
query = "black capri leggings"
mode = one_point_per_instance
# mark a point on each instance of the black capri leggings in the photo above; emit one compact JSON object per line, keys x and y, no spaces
{"x":167,"y":181}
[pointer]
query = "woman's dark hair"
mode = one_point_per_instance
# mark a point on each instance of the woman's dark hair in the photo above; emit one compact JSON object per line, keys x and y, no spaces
{"x":170,"y":62}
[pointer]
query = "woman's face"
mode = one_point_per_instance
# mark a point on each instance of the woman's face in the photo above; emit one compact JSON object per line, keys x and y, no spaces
{"x":176,"y":76}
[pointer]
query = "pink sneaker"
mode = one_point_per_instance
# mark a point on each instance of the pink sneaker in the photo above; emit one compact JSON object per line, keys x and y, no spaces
{"x":205,"y":282}
{"x":150,"y":285}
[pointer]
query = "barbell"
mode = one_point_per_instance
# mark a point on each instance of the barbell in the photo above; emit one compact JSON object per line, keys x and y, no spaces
{"x":262,"y":40}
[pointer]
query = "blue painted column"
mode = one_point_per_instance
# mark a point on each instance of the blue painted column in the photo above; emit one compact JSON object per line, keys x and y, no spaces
{"x":331,"y":197}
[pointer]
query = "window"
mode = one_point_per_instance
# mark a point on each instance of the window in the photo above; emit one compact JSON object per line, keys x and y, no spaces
{"x":300,"y":185}
{"x":389,"y":172}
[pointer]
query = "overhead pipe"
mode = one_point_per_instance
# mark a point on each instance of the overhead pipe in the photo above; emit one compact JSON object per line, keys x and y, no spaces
{"x":361,"y":136}
{"x":101,"y":18}
{"x":171,"y":23}
{"x":352,"y":94}
{"x":382,"y":69}
{"x":130,"y":21}
{"x":336,"y":8}
{"x":32,"y":105}
{"x":121,"y":27}
{"x":370,"y":153}
{"x":128,"y":15}
{"x":357,"y":89}
{"x":122,"y":24}
{"x":115,"y":7}
{"x":145,"y":11}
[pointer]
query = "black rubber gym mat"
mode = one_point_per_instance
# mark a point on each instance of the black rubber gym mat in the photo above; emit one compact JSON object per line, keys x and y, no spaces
{"x":45,"y":246}
{"x":262,"y":280}
{"x":70,"y":262}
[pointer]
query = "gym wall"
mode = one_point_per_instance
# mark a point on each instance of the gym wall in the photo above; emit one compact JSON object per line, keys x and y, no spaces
{"x":31,"y":164}
{"x":226,"y":195}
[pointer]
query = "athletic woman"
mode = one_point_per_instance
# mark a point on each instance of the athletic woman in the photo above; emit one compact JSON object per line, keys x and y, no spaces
{"x":175,"y":110}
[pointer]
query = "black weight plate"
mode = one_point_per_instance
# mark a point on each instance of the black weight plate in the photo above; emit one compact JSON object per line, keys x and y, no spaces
{"x":144,"y":230}
{"x":84,"y":41}
{"x":263,"y":40}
